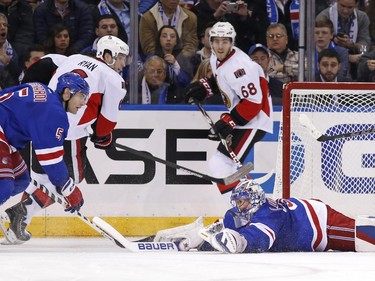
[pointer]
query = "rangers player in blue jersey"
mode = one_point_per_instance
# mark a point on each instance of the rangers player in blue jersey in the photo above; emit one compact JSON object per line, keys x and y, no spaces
{"x":260,"y":224}
{"x":33,"y":112}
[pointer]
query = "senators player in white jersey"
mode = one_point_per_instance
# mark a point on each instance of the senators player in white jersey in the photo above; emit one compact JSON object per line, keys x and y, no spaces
{"x":244,"y":89}
{"x":107,"y":90}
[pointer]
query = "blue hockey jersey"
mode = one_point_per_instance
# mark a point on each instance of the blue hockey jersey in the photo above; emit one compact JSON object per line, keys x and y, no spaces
{"x":33,"y":112}
{"x":283,"y":225}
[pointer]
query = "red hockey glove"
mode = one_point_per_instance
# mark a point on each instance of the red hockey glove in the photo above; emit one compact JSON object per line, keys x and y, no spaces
{"x":105,"y":142}
{"x":224,"y":127}
{"x":199,"y":90}
{"x":72,"y":195}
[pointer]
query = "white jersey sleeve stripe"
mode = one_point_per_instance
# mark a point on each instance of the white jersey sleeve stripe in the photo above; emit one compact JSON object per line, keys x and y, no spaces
{"x":266,"y":230}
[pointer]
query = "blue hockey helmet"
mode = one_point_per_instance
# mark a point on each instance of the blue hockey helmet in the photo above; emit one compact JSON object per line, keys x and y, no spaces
{"x":247,"y":197}
{"x":74,"y":82}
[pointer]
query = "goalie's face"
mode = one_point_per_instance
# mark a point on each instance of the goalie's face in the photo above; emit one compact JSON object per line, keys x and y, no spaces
{"x":242,"y":205}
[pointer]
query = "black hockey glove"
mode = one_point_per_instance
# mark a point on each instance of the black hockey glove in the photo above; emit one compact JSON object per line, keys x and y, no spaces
{"x":199,"y":90}
{"x":105,"y":142}
{"x":224,"y":127}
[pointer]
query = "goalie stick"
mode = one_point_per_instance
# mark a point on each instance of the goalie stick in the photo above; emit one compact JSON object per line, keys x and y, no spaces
{"x":109,"y":235}
{"x":242,"y":171}
{"x":306,"y":122}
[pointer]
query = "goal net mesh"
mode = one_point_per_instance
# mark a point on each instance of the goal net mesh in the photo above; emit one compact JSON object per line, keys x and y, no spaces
{"x":340,"y":172}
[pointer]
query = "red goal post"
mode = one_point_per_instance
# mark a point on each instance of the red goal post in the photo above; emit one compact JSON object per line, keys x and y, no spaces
{"x":338,"y":171}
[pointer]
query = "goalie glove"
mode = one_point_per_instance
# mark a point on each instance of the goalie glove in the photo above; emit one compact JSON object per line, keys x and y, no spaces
{"x":72,"y":195}
{"x":104,"y":143}
{"x":199,"y":90}
{"x":222,"y":127}
{"x":228,"y":241}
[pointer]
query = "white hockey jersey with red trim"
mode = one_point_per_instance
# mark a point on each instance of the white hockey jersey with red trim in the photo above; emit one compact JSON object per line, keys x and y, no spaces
{"x":238,"y":78}
{"x":107,"y":90}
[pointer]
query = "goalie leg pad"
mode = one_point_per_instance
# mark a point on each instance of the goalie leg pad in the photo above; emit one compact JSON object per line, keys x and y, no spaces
{"x":365,"y":233}
{"x":186,"y":236}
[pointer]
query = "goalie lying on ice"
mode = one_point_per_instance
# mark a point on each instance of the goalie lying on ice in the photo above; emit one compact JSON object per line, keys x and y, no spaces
{"x":260,"y":224}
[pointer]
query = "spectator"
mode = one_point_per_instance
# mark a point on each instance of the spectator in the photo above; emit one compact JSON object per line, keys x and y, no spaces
{"x":284,"y":62}
{"x":168,"y":12}
{"x":34,"y":4}
{"x":74,"y":14}
{"x":286,"y":13}
{"x":323,"y":35}
{"x":250,"y":25}
{"x":366,"y":67}
{"x":105,"y":25}
{"x":153,"y":86}
{"x":205,"y":71}
{"x":20,"y":24}
{"x":328,"y":66}
{"x":120,"y":10}
{"x":370,"y":11}
{"x":33,"y":54}
{"x":260,"y":54}
{"x":58,"y":41}
{"x":205,"y":51}
{"x":168,"y":46}
{"x":9,"y":67}
{"x":351,"y":28}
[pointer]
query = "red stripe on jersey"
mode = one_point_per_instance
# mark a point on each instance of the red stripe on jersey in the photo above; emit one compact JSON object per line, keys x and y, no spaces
{"x":104,"y":126}
{"x":242,"y":141}
{"x":92,"y":110}
{"x":79,"y":160}
{"x":50,"y":156}
{"x":314,"y":216}
{"x":246,"y":110}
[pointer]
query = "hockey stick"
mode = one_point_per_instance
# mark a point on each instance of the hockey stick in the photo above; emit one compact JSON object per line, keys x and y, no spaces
{"x":109,"y":235}
{"x":137,"y":246}
{"x":244,"y":170}
{"x":306,"y":122}
{"x":223,"y":141}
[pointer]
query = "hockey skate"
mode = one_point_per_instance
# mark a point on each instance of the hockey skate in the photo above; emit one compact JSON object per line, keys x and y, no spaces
{"x":16,"y":215}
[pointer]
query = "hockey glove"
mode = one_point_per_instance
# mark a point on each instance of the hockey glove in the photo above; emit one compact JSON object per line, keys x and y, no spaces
{"x":199,"y":90}
{"x":105,"y":142}
{"x":72,"y":195}
{"x":229,"y":241}
{"x":224,"y":127}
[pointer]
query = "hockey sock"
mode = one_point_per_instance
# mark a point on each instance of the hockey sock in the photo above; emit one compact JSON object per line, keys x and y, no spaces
{"x":39,"y":201}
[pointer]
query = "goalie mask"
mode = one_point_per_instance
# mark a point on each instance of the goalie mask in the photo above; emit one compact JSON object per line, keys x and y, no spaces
{"x":247,"y":197}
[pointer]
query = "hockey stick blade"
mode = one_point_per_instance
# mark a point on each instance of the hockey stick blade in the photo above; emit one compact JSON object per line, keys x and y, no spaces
{"x":306,"y":122}
{"x":241,"y":172}
{"x":136,"y":246}
{"x":77,"y":213}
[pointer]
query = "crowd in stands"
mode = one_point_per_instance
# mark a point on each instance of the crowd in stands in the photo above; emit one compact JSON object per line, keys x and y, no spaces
{"x":174,"y":42}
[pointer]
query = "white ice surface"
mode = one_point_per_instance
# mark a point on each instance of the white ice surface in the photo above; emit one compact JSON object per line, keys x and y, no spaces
{"x":99,"y":259}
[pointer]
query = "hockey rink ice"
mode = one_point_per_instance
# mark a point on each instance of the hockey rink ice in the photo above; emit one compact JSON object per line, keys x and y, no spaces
{"x":95,"y":259}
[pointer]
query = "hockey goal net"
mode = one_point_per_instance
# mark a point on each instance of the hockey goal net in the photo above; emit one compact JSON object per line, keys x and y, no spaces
{"x":341,"y":171}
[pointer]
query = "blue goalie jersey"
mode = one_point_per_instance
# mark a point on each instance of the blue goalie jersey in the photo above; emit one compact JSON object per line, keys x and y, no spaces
{"x":33,"y":112}
{"x":283,"y":225}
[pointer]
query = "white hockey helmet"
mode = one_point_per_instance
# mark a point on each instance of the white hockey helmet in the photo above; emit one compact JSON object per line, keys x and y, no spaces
{"x":113,"y":44}
{"x":223,"y":29}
